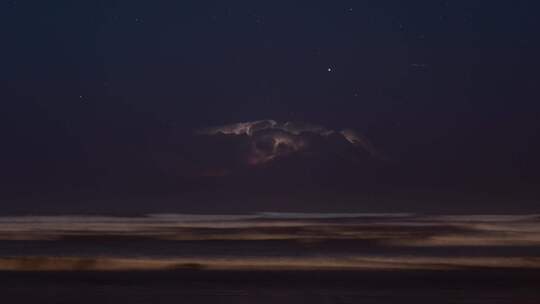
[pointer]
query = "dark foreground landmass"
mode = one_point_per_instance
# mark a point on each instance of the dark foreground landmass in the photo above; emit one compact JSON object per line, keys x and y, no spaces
{"x":516,"y":286}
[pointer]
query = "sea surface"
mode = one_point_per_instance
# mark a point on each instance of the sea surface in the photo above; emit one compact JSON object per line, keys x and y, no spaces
{"x":270,"y":258}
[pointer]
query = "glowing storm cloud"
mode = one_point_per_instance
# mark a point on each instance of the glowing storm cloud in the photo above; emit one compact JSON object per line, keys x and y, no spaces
{"x":271,"y":139}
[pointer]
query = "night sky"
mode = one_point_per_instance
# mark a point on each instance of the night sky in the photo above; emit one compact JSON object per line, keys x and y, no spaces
{"x":101,"y":101}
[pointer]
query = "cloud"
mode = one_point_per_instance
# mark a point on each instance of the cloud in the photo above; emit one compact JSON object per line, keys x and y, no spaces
{"x":358,"y":139}
{"x":251,"y":127}
{"x":270,"y":139}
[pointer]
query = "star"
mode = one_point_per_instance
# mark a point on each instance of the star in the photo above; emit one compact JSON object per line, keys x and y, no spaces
{"x":329,"y":69}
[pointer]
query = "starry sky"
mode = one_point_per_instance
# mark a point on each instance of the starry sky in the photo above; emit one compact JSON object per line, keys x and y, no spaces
{"x":100,"y":100}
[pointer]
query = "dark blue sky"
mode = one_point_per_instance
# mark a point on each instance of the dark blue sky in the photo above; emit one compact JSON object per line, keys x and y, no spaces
{"x":97,"y":96}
